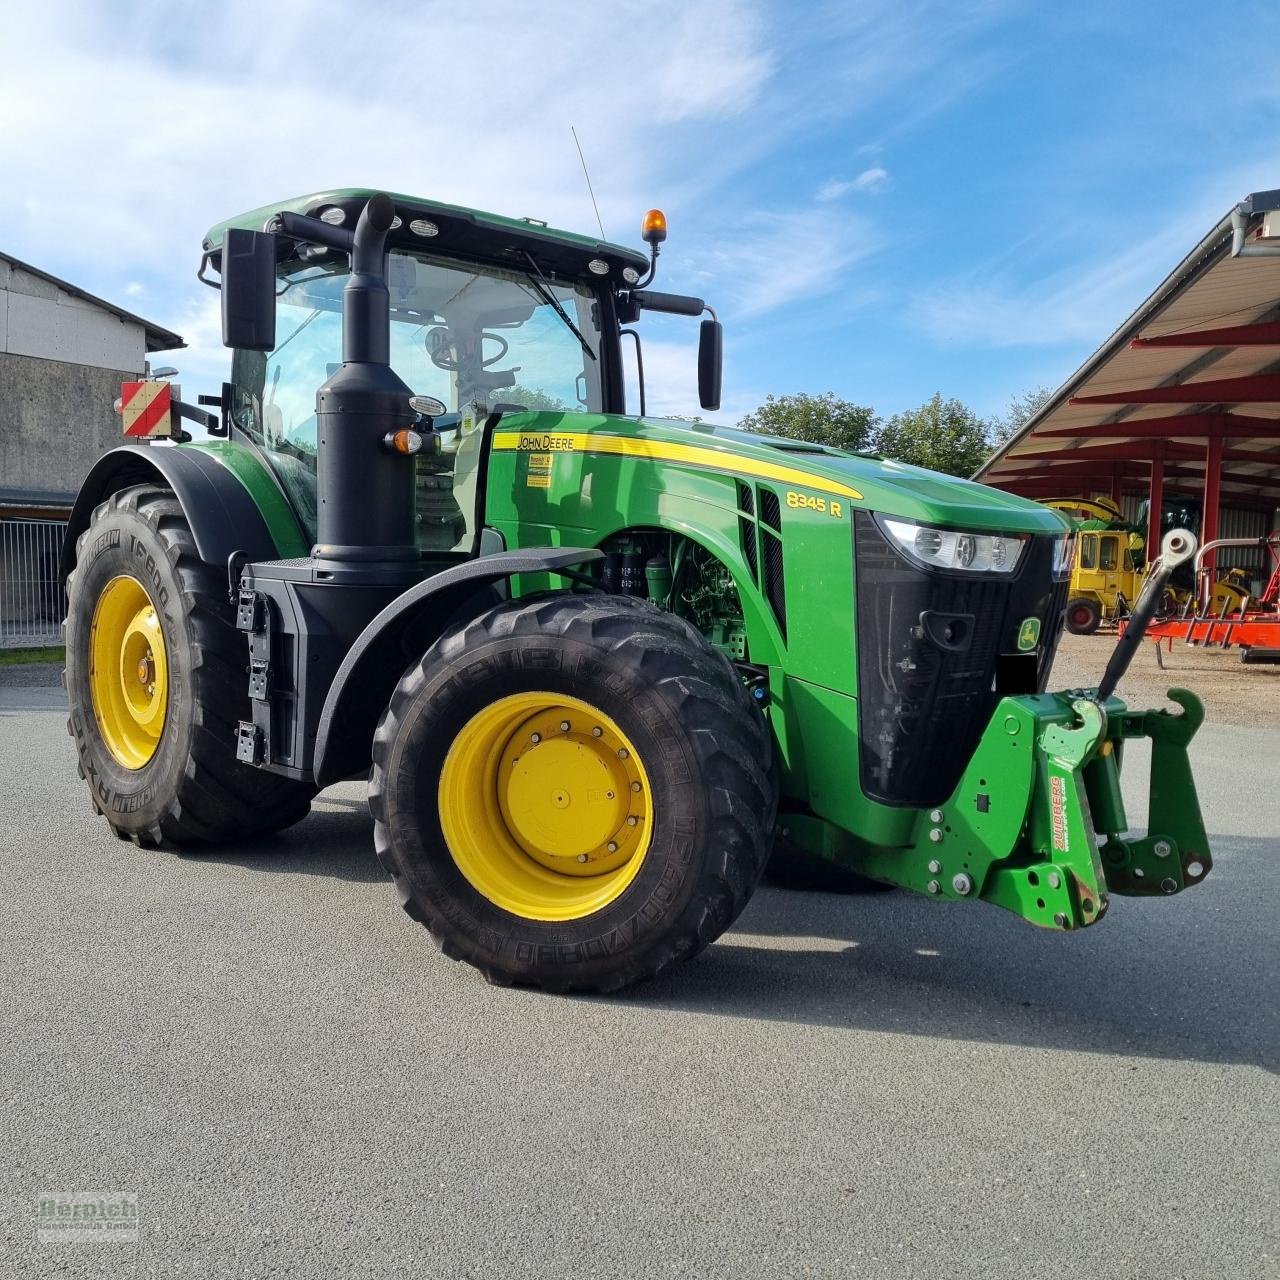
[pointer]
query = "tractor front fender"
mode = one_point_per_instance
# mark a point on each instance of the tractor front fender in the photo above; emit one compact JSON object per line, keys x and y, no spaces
{"x":404,"y":630}
{"x":223,"y":516}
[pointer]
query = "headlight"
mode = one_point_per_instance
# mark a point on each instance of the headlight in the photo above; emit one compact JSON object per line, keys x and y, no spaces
{"x":954,"y":548}
{"x":1063,"y":550}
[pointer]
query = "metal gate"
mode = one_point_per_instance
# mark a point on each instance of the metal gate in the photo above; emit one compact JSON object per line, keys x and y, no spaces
{"x":31,"y":597}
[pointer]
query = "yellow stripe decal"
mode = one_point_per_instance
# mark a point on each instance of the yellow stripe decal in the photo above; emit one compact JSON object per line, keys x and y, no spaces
{"x":661,"y":451}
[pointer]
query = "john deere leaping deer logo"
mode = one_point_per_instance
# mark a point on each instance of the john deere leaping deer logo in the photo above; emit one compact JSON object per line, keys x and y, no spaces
{"x":1029,"y":634}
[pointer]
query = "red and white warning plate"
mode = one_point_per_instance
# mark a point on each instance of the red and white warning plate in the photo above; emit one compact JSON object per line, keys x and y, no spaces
{"x":146,"y":409}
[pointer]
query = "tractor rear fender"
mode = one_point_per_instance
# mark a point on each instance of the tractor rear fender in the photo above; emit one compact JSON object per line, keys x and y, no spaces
{"x":403,"y":631}
{"x":223,"y":516}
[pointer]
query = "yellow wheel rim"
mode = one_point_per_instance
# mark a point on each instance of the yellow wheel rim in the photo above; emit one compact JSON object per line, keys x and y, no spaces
{"x":128,"y":672}
{"x":545,"y":806}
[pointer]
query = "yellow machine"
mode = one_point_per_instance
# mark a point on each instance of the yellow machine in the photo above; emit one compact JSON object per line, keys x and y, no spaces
{"x":1108,"y":567}
{"x":1229,"y":593}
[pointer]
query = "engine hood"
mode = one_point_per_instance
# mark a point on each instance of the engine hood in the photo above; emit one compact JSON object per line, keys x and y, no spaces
{"x":878,"y":485}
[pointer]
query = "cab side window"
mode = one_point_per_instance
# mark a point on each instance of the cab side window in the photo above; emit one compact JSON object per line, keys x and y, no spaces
{"x":1088,"y":551}
{"x":1110,"y":553}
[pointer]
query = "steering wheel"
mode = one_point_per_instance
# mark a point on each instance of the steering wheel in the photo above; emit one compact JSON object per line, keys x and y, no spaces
{"x":440,"y":348}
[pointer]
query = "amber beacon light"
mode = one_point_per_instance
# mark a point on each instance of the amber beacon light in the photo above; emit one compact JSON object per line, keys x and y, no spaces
{"x":654,"y":227}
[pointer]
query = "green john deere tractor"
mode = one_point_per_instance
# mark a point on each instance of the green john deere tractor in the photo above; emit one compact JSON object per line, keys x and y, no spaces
{"x":598,"y":668}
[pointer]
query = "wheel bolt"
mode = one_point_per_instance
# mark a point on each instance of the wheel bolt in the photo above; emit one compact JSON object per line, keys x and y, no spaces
{"x":635,"y":786}
{"x":597,"y":732}
{"x":564,"y":726}
{"x":622,"y":753}
{"x":631,"y":821}
{"x":537,"y":737}
{"x":613,"y":846}
{"x":582,"y":857}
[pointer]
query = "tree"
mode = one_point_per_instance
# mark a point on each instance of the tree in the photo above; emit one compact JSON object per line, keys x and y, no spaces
{"x":819,"y":419}
{"x":532,"y":398}
{"x":1021,"y":409}
{"x":942,"y":435}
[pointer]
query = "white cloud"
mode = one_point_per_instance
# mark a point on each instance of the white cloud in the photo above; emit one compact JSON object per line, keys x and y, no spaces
{"x":771,"y":259}
{"x":871,"y":181}
{"x":142,"y":143}
{"x":130,"y":128}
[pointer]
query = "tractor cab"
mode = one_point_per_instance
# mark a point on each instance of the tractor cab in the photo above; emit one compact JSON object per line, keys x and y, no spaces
{"x":488,"y":316}
{"x":475,"y":337}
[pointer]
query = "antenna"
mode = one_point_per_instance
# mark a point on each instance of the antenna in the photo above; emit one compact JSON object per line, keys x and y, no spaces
{"x":585,"y":174}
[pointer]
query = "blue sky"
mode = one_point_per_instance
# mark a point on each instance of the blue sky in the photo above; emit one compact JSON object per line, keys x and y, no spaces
{"x":881,"y":200}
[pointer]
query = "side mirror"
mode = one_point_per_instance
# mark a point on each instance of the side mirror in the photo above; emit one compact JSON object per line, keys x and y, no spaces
{"x":248,"y":290}
{"x":710,"y":363}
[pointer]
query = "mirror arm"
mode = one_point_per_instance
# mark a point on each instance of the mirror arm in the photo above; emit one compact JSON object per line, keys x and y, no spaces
{"x":298,"y":226}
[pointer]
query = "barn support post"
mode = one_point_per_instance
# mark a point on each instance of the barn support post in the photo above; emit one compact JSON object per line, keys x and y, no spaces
{"x":1156,"y":503}
{"x":1212,"y":493}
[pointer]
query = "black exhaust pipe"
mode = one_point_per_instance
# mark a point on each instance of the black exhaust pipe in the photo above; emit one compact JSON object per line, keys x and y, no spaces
{"x":365,"y":492}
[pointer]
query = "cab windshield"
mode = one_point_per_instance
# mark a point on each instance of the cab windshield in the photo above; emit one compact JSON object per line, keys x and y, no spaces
{"x":475,"y":337}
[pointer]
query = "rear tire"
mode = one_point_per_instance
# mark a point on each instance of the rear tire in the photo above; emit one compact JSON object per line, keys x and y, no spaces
{"x":184,"y":785}
{"x":1083,"y":616}
{"x":640,"y":676}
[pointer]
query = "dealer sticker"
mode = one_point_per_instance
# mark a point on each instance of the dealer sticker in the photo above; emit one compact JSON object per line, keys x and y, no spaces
{"x":1058,"y":814}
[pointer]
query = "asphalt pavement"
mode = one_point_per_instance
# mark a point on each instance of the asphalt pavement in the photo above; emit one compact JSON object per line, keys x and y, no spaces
{"x":262,"y":1048}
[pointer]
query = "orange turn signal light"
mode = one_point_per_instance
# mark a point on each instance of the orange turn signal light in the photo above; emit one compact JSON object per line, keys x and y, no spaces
{"x":654,"y":227}
{"x":406,"y":441}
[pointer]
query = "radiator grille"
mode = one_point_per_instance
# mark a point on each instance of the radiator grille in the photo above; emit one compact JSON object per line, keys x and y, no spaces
{"x":923,"y":707}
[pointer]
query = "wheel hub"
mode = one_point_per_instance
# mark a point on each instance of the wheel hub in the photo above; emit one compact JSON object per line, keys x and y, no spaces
{"x":564,"y":787}
{"x":545,"y":806}
{"x":128,"y":672}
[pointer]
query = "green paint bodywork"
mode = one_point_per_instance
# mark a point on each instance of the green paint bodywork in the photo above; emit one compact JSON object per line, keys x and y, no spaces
{"x":249,"y":469}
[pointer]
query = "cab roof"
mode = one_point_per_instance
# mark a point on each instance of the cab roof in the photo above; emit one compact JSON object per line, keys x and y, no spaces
{"x":460,"y":231}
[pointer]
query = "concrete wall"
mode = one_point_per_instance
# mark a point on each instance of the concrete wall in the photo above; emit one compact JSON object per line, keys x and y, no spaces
{"x":55,"y":420}
{"x":62,"y":360}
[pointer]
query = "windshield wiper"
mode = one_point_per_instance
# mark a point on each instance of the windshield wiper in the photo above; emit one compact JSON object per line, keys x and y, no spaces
{"x":543,"y":290}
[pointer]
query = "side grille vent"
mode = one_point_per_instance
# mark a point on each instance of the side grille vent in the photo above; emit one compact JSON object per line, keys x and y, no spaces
{"x":774,"y":580}
{"x":747,"y":536}
{"x":770,"y":509}
{"x":746,"y":500}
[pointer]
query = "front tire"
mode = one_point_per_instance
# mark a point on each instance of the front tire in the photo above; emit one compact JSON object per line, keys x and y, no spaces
{"x":511,"y":762}
{"x":156,"y":680}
